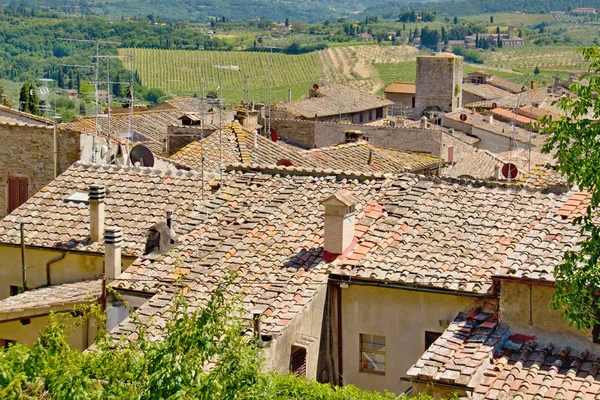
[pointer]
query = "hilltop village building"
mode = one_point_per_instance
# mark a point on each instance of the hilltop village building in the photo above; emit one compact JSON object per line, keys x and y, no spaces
{"x":438,"y":85}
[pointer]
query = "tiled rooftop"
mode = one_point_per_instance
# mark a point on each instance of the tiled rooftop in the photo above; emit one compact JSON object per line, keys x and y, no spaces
{"x":542,"y":249}
{"x":268,"y":228}
{"x":544,"y":176}
{"x":239,"y":147}
{"x":136,"y":199}
{"x":401,"y":87}
{"x":485,"y":91}
{"x":484,"y":356}
{"x":151,"y":125}
{"x":334,"y":100}
{"x":46,"y":298}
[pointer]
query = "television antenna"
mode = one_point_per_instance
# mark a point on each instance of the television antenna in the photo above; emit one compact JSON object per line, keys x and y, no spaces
{"x":221,"y":67}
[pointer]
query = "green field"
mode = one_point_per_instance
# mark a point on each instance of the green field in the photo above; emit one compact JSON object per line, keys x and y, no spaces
{"x":552,"y":58}
{"x":184,"y":72}
{"x":511,"y":19}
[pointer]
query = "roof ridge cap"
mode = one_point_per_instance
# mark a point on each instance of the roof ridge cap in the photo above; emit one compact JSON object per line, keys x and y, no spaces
{"x":318,"y":171}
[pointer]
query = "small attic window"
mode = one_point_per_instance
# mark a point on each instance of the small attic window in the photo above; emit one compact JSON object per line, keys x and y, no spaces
{"x":78,"y":197}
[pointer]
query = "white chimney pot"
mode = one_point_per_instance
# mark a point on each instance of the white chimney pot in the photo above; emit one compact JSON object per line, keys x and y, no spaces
{"x":113,"y":237}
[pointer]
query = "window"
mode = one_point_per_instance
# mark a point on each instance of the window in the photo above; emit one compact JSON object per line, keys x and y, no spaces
{"x":298,"y":361}
{"x":379,"y":113}
{"x":360,"y":117}
{"x":413,"y":102}
{"x":431,"y":337}
{"x":370,"y":115}
{"x":17,"y":191}
{"x":5,"y":343}
{"x":372,"y":353}
{"x":15,"y":290}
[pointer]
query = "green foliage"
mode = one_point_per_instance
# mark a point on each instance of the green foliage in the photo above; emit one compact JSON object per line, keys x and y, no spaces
{"x":575,"y":139}
{"x":470,"y":55}
{"x":28,"y":99}
{"x":536,"y":71}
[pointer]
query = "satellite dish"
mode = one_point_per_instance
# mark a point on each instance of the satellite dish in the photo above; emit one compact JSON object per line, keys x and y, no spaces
{"x":274,"y":135}
{"x":463,"y":117}
{"x":142,"y":155}
{"x":510,"y":169}
{"x":392,"y":124}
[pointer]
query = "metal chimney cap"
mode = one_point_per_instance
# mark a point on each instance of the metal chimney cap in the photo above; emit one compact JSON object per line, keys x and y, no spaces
{"x":113,"y":235}
{"x":97,"y":192}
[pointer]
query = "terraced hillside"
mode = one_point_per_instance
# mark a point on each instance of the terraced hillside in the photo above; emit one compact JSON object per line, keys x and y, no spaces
{"x":186,"y":72}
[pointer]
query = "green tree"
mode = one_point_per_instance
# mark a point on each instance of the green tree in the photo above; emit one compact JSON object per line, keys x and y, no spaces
{"x":455,"y":20}
{"x":153,"y":95}
{"x":536,"y":71}
{"x":60,"y":81}
{"x":574,"y":139}
{"x":23,"y":96}
{"x":287,"y":22}
{"x":82,"y":110}
{"x":117,"y":89}
{"x":491,"y":19}
{"x":1,"y":91}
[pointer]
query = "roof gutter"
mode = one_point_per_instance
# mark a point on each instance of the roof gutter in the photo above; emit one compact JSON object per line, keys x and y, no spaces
{"x":49,"y":263}
{"x":393,"y":285}
{"x":532,"y":282}
{"x":58,"y":249}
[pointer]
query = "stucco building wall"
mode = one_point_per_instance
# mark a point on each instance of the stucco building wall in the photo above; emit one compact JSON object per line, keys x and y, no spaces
{"x":74,"y":267}
{"x":28,"y":151}
{"x":80,"y":338}
{"x":402,"y":316}
{"x":526,"y":309}
{"x":305,"y":329}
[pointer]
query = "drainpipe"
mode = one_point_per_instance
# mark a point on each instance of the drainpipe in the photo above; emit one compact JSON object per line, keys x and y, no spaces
{"x":49,"y":263}
{"x":23,"y":266}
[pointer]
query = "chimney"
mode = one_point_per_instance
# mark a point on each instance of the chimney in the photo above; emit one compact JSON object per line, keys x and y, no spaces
{"x":424,"y":124}
{"x":450,"y":159}
{"x":96,"y":199}
{"x":532,"y":84}
{"x":112,"y":253}
{"x":339,"y":221}
{"x":490,"y":119}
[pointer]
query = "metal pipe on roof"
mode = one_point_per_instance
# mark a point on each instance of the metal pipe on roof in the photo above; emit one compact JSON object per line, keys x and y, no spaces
{"x":49,"y":263}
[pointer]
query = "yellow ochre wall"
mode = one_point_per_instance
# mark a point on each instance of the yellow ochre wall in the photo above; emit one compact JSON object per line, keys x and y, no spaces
{"x":402,"y":316}
{"x":526,"y":309}
{"x":74,"y":267}
{"x":81,"y":337}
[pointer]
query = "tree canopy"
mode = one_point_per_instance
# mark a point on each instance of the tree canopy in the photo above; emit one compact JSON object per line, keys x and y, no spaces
{"x":574,"y":138}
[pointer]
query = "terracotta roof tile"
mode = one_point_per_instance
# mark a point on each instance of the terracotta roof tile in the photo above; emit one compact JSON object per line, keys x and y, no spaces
{"x":52,"y":296}
{"x":136,"y":199}
{"x":334,"y":100}
{"x":239,"y":146}
{"x":401,"y":87}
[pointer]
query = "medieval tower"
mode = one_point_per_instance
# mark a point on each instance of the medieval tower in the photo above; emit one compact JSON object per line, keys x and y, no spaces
{"x":439,"y":83}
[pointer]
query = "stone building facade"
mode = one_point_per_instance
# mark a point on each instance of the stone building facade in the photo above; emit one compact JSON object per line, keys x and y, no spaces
{"x":439,"y":83}
{"x":27,"y":160}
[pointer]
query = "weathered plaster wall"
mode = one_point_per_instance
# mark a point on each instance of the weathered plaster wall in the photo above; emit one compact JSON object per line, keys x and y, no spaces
{"x":74,"y":267}
{"x":402,"y":316}
{"x":180,"y":136}
{"x":305,"y":329}
{"x":28,"y":151}
{"x":81,"y":337}
{"x":526,"y":309}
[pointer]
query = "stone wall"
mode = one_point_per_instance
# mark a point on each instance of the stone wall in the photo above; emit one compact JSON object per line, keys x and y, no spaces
{"x":27,"y":151}
{"x":439,"y":83}
{"x":310,"y":134}
{"x":180,"y":136}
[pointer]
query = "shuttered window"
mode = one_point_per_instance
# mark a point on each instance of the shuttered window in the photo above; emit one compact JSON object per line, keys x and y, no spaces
{"x":18,"y":191}
{"x":298,"y":361}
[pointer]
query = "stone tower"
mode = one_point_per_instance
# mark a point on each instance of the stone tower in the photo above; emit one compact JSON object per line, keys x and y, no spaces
{"x":439,"y":83}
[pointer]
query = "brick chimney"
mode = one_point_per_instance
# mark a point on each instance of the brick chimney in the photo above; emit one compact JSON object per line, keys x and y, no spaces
{"x":96,"y":199}
{"x":339,"y":221}
{"x":113,"y":237}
